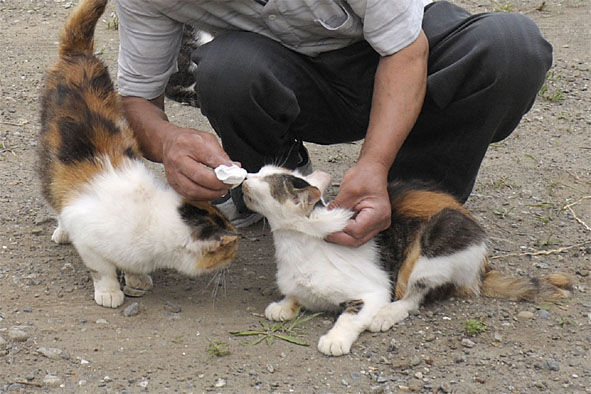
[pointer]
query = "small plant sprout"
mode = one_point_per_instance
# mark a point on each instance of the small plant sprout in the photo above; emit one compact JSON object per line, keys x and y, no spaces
{"x":285,"y":330}
{"x":217,"y":349}
{"x":475,"y":327}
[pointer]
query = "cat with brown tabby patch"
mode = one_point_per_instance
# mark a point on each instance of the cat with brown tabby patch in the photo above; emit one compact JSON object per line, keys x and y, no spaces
{"x":115,"y":212}
{"x":433,"y":248}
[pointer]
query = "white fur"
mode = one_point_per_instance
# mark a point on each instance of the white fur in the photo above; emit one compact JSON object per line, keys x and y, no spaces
{"x":126,"y":219}
{"x":314,"y":273}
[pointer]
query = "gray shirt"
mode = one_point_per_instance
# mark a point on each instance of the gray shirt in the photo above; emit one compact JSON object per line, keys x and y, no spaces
{"x":150,"y":30}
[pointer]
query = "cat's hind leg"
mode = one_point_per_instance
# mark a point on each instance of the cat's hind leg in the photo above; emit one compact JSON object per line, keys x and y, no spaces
{"x":284,"y":310}
{"x":355,"y":319}
{"x":136,"y":285}
{"x":107,"y":291}
{"x":459,"y":270}
{"x":60,"y":235}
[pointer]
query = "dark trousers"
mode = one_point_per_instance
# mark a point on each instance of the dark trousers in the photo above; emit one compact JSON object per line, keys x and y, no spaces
{"x":484,"y":72}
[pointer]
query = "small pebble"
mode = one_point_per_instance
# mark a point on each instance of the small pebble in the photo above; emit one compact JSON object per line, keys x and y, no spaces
{"x":143,"y":384}
{"x":52,"y":380}
{"x":270,"y":368}
{"x":355,"y":375}
{"x":17,"y":335}
{"x":468,"y":343}
{"x":102,"y":321}
{"x":172,"y":307}
{"x":50,"y":352}
{"x":132,"y":309}
{"x":552,"y":365}
{"x":525,"y":315}
{"x":543,"y":314}
{"x":583,"y":273}
{"x":497,"y":337}
{"x":27,"y":309}
{"x":220,"y":383}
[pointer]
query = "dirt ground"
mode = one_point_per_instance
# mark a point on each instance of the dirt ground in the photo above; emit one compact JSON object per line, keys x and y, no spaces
{"x":533,"y":196}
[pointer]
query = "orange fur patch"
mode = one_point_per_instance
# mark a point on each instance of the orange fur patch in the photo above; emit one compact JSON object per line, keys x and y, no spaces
{"x":424,"y":204}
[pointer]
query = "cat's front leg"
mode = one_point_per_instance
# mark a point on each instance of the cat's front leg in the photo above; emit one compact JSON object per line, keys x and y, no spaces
{"x":106,"y":289}
{"x":284,"y":310}
{"x":353,"y":321}
{"x":104,"y":276}
{"x":60,"y":235}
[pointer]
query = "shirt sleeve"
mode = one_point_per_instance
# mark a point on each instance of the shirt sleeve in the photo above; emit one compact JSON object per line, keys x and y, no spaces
{"x":148,"y":49}
{"x":389,"y":25}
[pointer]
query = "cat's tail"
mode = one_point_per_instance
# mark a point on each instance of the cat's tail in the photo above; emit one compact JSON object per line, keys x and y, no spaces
{"x":77,"y":37}
{"x":549,"y":287}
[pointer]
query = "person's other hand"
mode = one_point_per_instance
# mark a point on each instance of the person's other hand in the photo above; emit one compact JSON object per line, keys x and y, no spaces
{"x":363,"y":190}
{"x":189,"y":156}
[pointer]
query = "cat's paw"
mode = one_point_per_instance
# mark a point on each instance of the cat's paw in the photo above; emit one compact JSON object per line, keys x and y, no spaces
{"x":136,"y":285}
{"x":109,"y":298}
{"x":281,"y":311}
{"x":60,"y":236}
{"x":388,"y":316}
{"x":334,"y":344}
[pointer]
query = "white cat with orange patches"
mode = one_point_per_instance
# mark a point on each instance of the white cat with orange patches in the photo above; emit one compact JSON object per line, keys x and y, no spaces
{"x":437,"y":246}
{"x":115,"y":212}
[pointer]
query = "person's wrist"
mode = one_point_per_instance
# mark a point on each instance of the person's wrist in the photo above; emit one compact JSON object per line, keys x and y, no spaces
{"x":378,"y":168}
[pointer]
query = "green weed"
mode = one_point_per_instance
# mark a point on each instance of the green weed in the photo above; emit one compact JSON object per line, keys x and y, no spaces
{"x":217,"y":349}
{"x":475,"y":327}
{"x":285,"y":330}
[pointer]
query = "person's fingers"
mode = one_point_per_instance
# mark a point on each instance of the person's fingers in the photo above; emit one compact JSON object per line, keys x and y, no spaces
{"x":358,"y":231}
{"x":200,"y":175}
{"x":192,"y":191}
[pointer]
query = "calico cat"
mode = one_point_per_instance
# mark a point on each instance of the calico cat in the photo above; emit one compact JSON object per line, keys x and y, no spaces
{"x":114,"y":211}
{"x":182,"y":85}
{"x":439,"y":249}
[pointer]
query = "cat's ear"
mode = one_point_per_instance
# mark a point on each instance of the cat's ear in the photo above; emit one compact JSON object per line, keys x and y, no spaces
{"x":320,"y":179}
{"x":308,"y":197}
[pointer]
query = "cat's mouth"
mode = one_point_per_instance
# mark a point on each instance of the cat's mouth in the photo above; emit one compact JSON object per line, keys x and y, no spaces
{"x":247,"y":196}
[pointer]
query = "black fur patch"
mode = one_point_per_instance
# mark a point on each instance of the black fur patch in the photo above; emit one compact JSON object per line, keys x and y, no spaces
{"x":101,"y":84}
{"x":352,"y":306}
{"x":297,"y":183}
{"x":394,"y":240}
{"x":449,"y":232}
{"x":76,"y":145}
{"x":97,"y":121}
{"x":129,"y":153}
{"x":205,"y":225}
{"x":283,"y":186}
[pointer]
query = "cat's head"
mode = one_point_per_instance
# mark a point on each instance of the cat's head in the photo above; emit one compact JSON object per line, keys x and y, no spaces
{"x":281,"y":194}
{"x":213,"y":239}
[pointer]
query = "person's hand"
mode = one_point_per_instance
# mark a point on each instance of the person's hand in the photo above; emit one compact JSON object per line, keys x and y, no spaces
{"x":188,"y":156}
{"x":363,"y":190}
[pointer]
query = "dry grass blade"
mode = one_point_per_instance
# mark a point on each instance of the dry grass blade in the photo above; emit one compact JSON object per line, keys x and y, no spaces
{"x":571,"y":210}
{"x":541,"y":252}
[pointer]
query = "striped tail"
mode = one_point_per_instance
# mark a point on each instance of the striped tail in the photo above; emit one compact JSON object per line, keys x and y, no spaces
{"x":77,"y":37}
{"x":549,"y":287}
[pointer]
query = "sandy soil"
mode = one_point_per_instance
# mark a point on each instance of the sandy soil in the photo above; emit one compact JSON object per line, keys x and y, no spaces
{"x":532,"y":196}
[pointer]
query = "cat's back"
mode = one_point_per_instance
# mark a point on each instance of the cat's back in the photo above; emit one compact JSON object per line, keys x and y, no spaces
{"x":82,"y":124}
